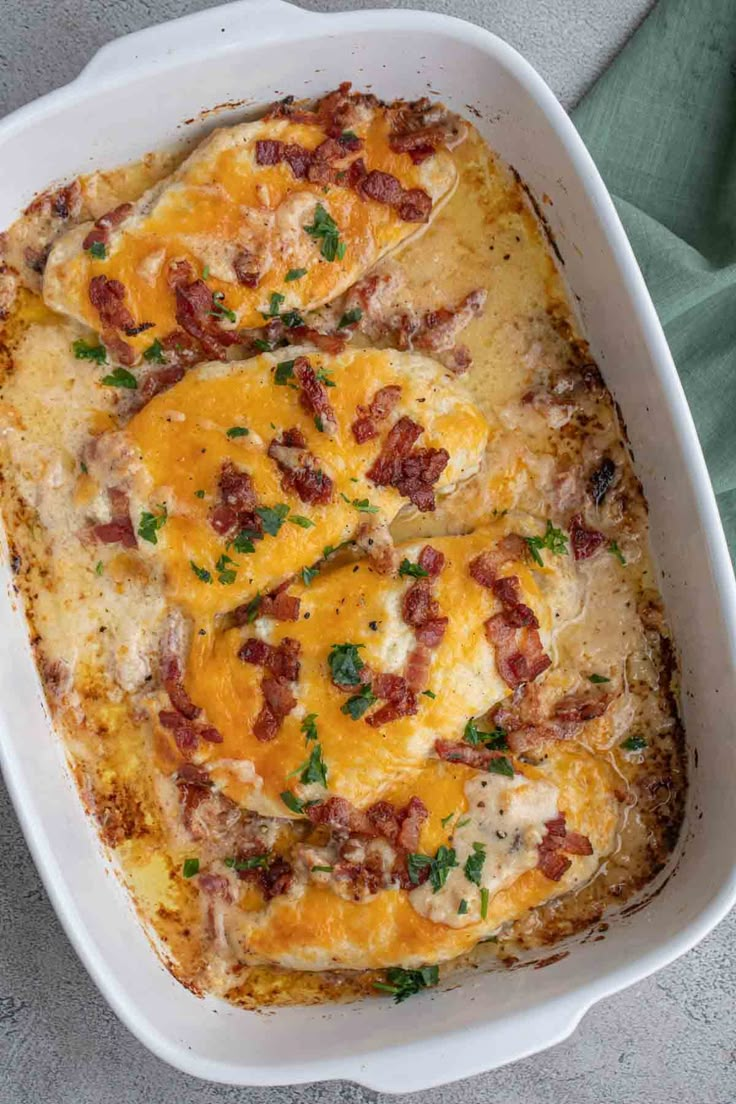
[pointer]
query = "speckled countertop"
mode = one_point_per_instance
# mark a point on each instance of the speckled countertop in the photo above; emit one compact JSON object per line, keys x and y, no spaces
{"x":671,"y":1038}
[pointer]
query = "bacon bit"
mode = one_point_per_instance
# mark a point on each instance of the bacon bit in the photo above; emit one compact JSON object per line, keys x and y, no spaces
{"x":402,"y":702}
{"x":557,"y":839}
{"x":236,"y":508}
{"x":299,"y":468}
{"x":417,"y":667}
{"x":384,"y":819}
{"x":581,"y":707}
{"x":382,"y":404}
{"x":108,"y":299}
{"x":187,"y":733}
{"x":514,"y":635}
{"x":458,"y":752}
{"x":281,"y":606}
{"x":422,"y":612}
{"x":338,"y":813}
{"x":64,"y":203}
{"x":584,"y":542}
{"x":119,"y":530}
{"x":245,"y":267}
{"x":420,"y":128}
{"x":279,"y":697}
{"x":157,"y":381}
{"x":195,"y":309}
{"x":171,"y":676}
{"x":216,"y":885}
{"x":276,"y":878}
{"x":485,"y":567}
{"x":178,"y":273}
{"x":413,"y":205}
{"x":269,"y":152}
{"x":194,"y":787}
{"x":36,"y":258}
{"x":414,"y":816}
{"x":431,"y":561}
{"x":118,"y":348}
{"x":100,"y":232}
{"x":180,"y":349}
{"x":437,"y":330}
{"x":314,"y":393}
{"x":553,"y":864}
{"x":577,"y":844}
{"x":374,"y":538}
{"x":382,"y":187}
{"x":281,"y":660}
{"x":412,"y":473}
{"x":332,"y":343}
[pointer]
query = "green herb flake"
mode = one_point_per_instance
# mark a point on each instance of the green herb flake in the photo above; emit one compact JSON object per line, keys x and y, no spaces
{"x":323,"y":375}
{"x":251,"y":610}
{"x":226,"y":574}
{"x":253,"y":862}
{"x":356,"y":706}
{"x":462,"y":908}
{"x":614,"y":549}
{"x":154,"y":354}
{"x":439,"y":866}
{"x":554,"y":540}
{"x":495,"y":739}
{"x":402,"y":984}
{"x":501,"y":765}
{"x":190,"y":868}
{"x":597,"y":680}
{"x":201,"y":572}
{"x":319,"y":423}
{"x":309,"y":727}
{"x":301,"y":521}
{"x":199,"y":494}
{"x":350,"y":318}
{"x":243,"y":543}
{"x":474,"y":864}
{"x":363,"y":506}
{"x":284,"y":372}
{"x":98,"y":250}
{"x":348,"y":136}
{"x":120,"y":377}
{"x":315,"y":768}
{"x":275,"y":304}
{"x":99,"y":568}
{"x":406,"y":567}
{"x":308,"y":574}
{"x":291,"y":801}
{"x":446,"y":819}
{"x":322,"y":869}
{"x":237,"y":431}
{"x":484,"y":897}
{"x":325,"y":230}
{"x":292,"y":319}
{"x":261,"y":345}
{"x":206,"y":272}
{"x":294,"y":274}
{"x":219,"y":310}
{"x":634,"y":743}
{"x":84,"y":351}
{"x":273,"y":517}
{"x":150,"y":524}
{"x":429,"y":694}
{"x":345,"y":664}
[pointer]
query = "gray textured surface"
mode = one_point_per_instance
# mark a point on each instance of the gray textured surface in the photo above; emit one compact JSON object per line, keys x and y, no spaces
{"x":669,"y":1038}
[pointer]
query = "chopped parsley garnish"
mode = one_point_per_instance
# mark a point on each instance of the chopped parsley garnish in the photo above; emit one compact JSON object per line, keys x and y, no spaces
{"x":406,"y":567}
{"x":226,"y":574}
{"x":308,"y":573}
{"x":345,"y":664}
{"x":294,"y":274}
{"x":315,"y":768}
{"x":120,"y":377}
{"x":261,"y":345}
{"x":99,"y":568}
{"x":275,"y":304}
{"x":501,"y":765}
{"x":446,"y":819}
{"x":462,"y":823}
{"x":598,"y":679}
{"x":439,"y":866}
{"x":219,"y":310}
{"x":190,"y":868}
{"x":319,"y":423}
{"x":206,"y":272}
{"x":284,"y":372}
{"x":350,"y":318}
{"x":243,"y":543}
{"x":292,"y":319}
{"x":253,"y":862}
{"x":150,"y":524}
{"x":273,"y":517}
{"x":237,"y":431}
{"x":614,"y":549}
{"x":474,"y":863}
{"x":301,"y":521}
{"x":155,"y":353}
{"x":348,"y":136}
{"x":325,"y":229}
{"x":634,"y":743}
{"x":429,"y":693}
{"x":309,"y":727}
{"x":201,"y":572}
{"x":405,"y":983}
{"x":554,"y":540}
{"x":495,"y":740}
{"x":484,"y":896}
{"x":291,"y":801}
{"x":323,"y":375}
{"x":356,"y":706}
{"x":251,"y":610}
{"x":98,"y":250}
{"x":361,"y":504}
{"x":199,"y":494}
{"x":462,"y":908}
{"x":322,"y":869}
{"x":330,"y":549}
{"x":84,"y":351}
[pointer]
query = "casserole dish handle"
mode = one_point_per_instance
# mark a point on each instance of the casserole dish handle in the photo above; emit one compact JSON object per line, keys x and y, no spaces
{"x":209,"y":29}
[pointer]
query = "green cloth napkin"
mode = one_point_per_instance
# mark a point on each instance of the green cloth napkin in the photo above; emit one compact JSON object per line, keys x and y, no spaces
{"x":661,"y":126}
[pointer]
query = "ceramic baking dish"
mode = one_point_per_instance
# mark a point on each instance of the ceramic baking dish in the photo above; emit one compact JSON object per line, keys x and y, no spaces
{"x":137,"y":94}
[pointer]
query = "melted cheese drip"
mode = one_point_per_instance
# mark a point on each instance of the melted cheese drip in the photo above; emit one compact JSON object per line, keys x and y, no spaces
{"x":220,"y":202}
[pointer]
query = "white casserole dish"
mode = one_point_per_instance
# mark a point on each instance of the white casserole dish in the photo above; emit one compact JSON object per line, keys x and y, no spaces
{"x":135,"y":96}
